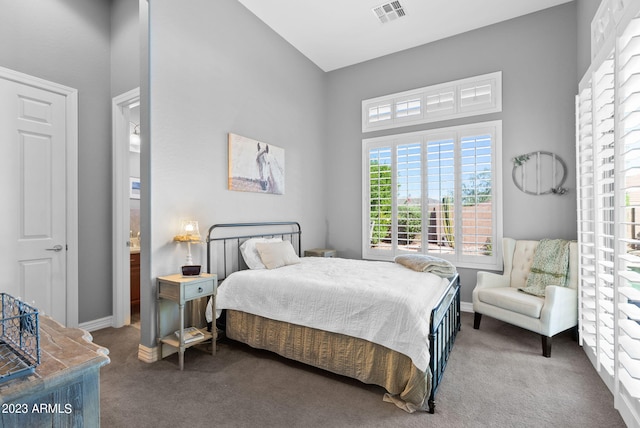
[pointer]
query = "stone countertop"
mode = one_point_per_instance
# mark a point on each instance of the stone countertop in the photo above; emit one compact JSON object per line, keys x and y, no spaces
{"x":63,"y":351}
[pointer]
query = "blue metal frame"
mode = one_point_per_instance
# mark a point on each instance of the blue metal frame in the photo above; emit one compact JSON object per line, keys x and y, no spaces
{"x":445,"y":324}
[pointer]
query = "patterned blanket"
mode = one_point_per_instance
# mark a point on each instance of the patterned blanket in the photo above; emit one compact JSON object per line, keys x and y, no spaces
{"x":550,"y":266}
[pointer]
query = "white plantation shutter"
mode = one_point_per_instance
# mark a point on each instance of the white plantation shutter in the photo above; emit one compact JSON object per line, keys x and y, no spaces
{"x":379,"y":113}
{"x":608,"y":162}
{"x":603,"y":94}
{"x":476,"y":159}
{"x":408,"y":108}
{"x":628,"y":205}
{"x":478,"y":95}
{"x":460,"y":98}
{"x":443,"y":189}
{"x":596,"y":217}
{"x":409,"y":197}
{"x":441,"y":102}
{"x":379,"y":168}
{"x":586,"y":218}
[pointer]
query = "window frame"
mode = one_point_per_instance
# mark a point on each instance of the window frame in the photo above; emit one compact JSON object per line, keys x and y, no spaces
{"x":494,"y":128}
{"x":457,"y":109}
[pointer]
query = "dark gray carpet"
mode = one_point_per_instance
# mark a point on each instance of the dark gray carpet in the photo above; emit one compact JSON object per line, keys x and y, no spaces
{"x":496,"y":377}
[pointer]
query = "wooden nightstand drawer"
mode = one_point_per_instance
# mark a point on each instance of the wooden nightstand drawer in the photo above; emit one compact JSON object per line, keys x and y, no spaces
{"x":181,"y":289}
{"x":199,"y":289}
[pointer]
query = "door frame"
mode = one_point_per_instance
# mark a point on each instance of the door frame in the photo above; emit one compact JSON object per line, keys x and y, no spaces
{"x":71,"y":160}
{"x":120,"y":194}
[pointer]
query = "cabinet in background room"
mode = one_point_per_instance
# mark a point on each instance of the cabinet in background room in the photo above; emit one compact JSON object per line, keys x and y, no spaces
{"x":134,"y":269}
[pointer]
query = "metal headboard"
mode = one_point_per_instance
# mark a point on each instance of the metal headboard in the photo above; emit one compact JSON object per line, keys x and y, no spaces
{"x":236,"y":233}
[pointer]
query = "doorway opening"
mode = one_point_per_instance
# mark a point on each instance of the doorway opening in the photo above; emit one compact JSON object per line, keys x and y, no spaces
{"x":126,"y":208}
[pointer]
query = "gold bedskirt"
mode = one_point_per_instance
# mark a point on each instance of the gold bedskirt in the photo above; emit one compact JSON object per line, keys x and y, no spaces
{"x":348,"y":356}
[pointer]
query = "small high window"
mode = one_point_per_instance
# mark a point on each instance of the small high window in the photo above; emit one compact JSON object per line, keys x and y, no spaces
{"x":460,"y":98}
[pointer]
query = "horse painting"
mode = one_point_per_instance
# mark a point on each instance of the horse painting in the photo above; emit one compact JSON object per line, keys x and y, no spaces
{"x":255,"y":166}
{"x":270,"y":170}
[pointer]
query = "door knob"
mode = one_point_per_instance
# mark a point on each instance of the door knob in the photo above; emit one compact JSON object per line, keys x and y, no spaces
{"x":55,"y":248}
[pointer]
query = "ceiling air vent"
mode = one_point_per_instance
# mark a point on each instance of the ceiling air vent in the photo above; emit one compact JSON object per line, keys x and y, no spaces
{"x":389,"y":11}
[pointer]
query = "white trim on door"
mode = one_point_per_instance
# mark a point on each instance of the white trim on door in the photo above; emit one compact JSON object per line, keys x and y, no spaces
{"x":120,"y":194}
{"x":71,"y":107}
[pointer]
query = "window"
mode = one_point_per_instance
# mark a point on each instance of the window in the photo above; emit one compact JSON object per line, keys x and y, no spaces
{"x":434,"y":192}
{"x":441,"y":102}
{"x":608,"y":162}
{"x":378,"y":113}
{"x":408,"y":108}
{"x":460,"y":98}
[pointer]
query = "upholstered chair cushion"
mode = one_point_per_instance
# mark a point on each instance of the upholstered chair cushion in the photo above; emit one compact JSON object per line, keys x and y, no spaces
{"x":511,"y":299}
{"x":522,"y":261}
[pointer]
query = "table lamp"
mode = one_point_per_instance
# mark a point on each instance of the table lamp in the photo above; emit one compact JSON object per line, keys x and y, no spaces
{"x":189,"y":232}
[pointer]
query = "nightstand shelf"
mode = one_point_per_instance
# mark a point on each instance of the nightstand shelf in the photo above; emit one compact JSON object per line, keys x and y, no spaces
{"x":172,"y":340}
{"x":180,"y":290}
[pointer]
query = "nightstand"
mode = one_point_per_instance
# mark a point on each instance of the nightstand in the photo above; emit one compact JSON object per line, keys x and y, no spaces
{"x":181,"y":289}
{"x":320,"y":252}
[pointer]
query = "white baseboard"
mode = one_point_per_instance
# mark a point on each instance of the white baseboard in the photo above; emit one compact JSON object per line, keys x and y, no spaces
{"x":97,"y":324}
{"x":466,"y":307}
{"x":148,"y":355}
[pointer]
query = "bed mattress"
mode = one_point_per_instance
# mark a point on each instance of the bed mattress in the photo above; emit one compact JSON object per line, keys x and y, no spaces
{"x":380,"y":302}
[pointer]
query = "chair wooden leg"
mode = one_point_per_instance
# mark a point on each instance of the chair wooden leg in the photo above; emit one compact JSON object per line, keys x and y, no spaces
{"x":476,"y":320}
{"x":546,"y":346}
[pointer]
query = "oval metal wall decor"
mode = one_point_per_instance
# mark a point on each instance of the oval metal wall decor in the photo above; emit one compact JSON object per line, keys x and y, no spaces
{"x":539,"y":173}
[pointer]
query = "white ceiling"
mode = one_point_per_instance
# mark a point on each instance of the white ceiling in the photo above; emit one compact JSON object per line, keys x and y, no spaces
{"x":337,"y":33}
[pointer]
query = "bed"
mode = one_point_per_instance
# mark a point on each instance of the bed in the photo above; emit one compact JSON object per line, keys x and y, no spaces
{"x":314,"y":310}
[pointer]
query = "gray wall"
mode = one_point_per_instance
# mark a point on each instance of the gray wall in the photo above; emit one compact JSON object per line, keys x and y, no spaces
{"x":67,"y":42}
{"x":215,"y":69}
{"x":586,"y":10}
{"x":125,"y":46}
{"x":257,"y":89}
{"x":537,"y":56}
{"x":81,"y":44}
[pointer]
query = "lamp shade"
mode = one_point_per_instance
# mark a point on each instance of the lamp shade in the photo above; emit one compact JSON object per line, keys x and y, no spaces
{"x":189,"y":232}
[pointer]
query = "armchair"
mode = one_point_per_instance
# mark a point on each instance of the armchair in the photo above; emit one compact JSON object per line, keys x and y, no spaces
{"x":498,"y":296}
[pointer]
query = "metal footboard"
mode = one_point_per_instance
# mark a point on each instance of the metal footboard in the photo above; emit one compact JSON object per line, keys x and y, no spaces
{"x":445,"y":324}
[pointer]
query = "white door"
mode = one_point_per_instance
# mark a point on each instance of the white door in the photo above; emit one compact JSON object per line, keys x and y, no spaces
{"x":33,"y":197}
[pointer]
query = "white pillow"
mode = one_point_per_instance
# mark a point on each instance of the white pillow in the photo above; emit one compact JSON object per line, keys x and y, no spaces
{"x":277,"y":254}
{"x":250,"y":254}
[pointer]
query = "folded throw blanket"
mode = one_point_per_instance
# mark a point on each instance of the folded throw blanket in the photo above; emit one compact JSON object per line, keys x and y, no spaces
{"x":550,"y":266}
{"x":423,"y":263}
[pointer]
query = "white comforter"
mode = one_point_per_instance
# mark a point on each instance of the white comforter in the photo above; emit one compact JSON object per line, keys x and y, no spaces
{"x":381,"y":302}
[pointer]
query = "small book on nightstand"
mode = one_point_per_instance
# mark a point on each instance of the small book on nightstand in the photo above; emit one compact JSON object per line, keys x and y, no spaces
{"x":190,"y":334}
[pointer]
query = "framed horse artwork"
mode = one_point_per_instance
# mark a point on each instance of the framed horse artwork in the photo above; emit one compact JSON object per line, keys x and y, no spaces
{"x":255,"y":166}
